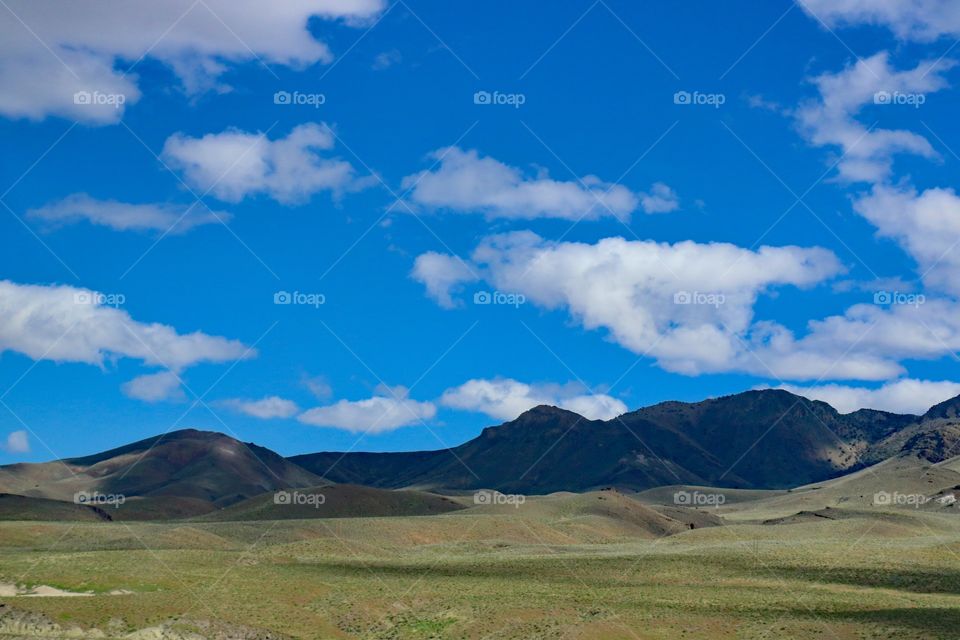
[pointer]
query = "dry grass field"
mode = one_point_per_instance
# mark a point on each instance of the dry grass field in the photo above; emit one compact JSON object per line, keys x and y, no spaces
{"x":599,"y":565}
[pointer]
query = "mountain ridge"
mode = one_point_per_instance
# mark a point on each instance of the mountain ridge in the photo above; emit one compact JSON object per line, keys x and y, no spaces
{"x":768,"y":438}
{"x":758,"y":439}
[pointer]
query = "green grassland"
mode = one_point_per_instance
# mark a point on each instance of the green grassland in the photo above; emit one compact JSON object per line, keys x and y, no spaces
{"x":569,"y":566}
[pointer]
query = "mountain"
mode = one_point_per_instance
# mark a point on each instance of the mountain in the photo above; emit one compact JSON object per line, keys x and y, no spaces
{"x":190,"y":474}
{"x":756,"y":439}
{"x":934,"y":437}
{"x":545,"y":449}
{"x":766,"y":439}
{"x":183,"y":472}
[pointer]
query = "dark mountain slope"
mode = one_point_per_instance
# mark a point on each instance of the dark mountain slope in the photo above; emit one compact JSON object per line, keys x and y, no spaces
{"x":757,"y":439}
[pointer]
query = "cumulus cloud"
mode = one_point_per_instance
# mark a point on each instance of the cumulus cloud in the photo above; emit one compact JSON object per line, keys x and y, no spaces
{"x":869,"y":340}
{"x":122,"y":216}
{"x":926,"y":225}
{"x":505,"y":399}
{"x":922,"y":20}
{"x":628,"y":288}
{"x":466,"y":182}
{"x":265,"y":408}
{"x":154,"y":387}
{"x":389,"y":410}
{"x":17,"y":442}
{"x":689,"y":305}
{"x":901,"y":396}
{"x":442,"y":275}
{"x":51,"y":50}
{"x":70,"y":324}
{"x":831,"y":119}
{"x":319,"y":386}
{"x":660,"y":199}
{"x":234,"y":164}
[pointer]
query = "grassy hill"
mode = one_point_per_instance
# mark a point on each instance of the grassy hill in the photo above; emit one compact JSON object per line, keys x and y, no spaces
{"x":184,"y":472}
{"x":337,"y":501}
{"x":14,"y":507}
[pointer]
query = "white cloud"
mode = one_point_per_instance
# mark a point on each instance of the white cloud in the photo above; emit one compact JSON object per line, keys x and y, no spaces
{"x":386,"y":60}
{"x":318,"y":386}
{"x":901,"y":396}
{"x":688,"y":305}
{"x":17,"y":442}
{"x":926,"y":225}
{"x":831,"y":120}
{"x":49,"y":50}
{"x":505,"y":399}
{"x":122,"y":216}
{"x":154,"y":387}
{"x":234,"y":164}
{"x":466,"y":182}
{"x":442,"y":275}
{"x":869,"y":341}
{"x":660,"y":199}
{"x":922,"y":20}
{"x":70,"y":324}
{"x":628,"y":288}
{"x":378,"y":414}
{"x":265,"y":408}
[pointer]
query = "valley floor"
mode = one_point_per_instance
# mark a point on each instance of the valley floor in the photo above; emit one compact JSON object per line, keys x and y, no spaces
{"x":482,"y":574}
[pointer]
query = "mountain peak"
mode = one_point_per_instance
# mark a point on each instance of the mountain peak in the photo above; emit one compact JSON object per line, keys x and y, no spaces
{"x":946,"y":409}
{"x":545,"y":409}
{"x":547,"y":412}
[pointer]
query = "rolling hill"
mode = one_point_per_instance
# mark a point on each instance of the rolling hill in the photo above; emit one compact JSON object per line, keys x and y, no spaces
{"x":175,"y":474}
{"x":337,"y":501}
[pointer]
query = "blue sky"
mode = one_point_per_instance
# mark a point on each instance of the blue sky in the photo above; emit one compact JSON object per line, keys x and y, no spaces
{"x":810,"y":216}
